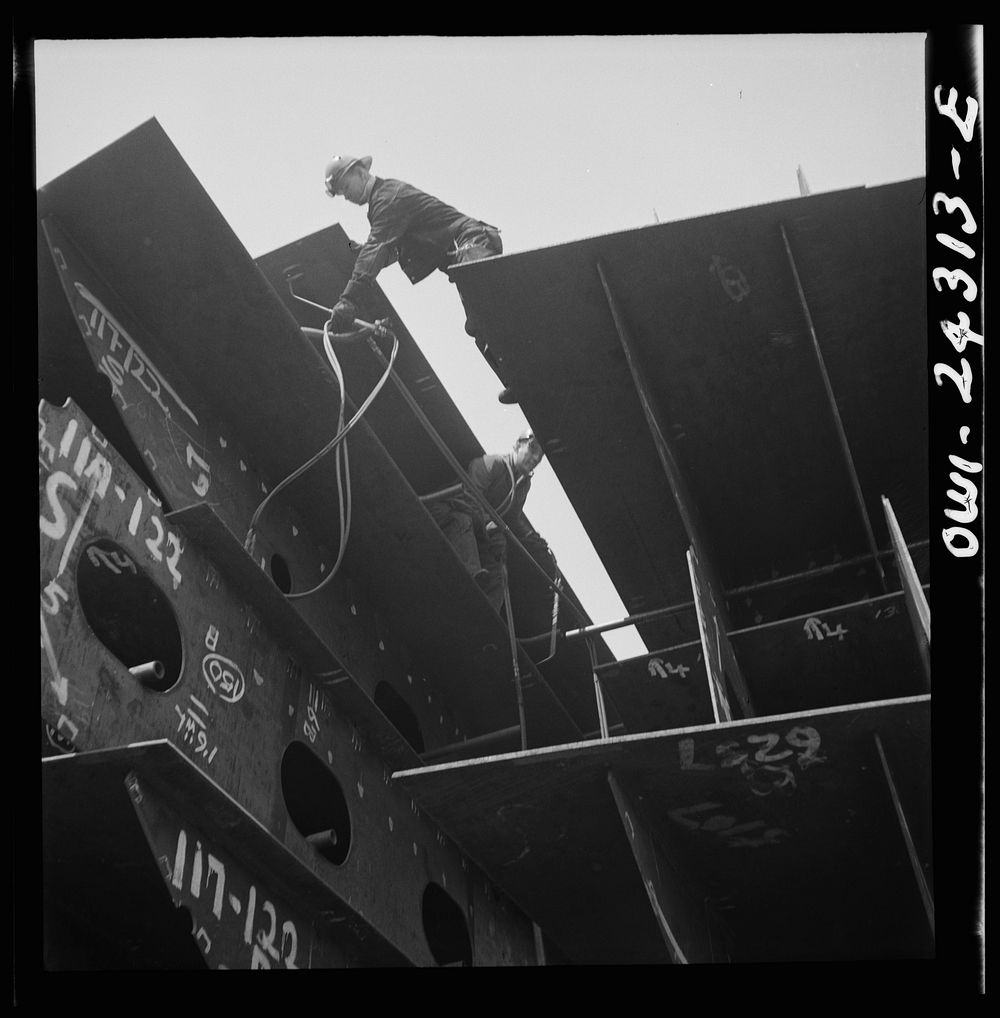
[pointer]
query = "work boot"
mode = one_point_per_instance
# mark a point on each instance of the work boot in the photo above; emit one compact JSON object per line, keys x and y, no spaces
{"x":507,"y":396}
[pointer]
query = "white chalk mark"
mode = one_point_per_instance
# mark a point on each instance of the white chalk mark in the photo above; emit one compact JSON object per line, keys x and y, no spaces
{"x":133,"y":523}
{"x":196,"y":871}
{"x":179,"y":860}
{"x":83,"y":454}
{"x":99,"y":469}
{"x":86,"y":294}
{"x":77,"y":525}
{"x":65,"y":721}
{"x":216,"y":867}
{"x":60,"y":683}
{"x":67,"y":440}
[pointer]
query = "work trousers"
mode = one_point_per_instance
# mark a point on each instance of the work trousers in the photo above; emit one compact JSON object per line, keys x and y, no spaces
{"x":473,"y":245}
{"x":481,"y":548}
{"x":476,"y":243}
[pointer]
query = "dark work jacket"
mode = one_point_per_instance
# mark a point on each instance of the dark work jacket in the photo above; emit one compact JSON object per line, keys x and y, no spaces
{"x":491,"y":476}
{"x":410,"y":226}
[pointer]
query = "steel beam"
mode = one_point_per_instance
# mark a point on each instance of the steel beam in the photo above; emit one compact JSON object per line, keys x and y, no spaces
{"x":660,"y":613}
{"x":652,"y":868}
{"x":916,"y":603}
{"x":791,"y":797}
{"x":509,"y":612}
{"x":675,"y":479}
{"x":911,"y":850}
{"x":720,"y":660}
{"x":602,"y":713}
{"x":831,"y":399}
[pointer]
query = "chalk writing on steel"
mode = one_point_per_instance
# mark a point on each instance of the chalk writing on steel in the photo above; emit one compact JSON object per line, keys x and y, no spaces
{"x":97,"y":470}
{"x":115,"y":561}
{"x":315,"y":705}
{"x":817,"y":629}
{"x":52,"y":597}
{"x":192,"y":728}
{"x":46,"y":450}
{"x":269,"y":938}
{"x":724,"y":827}
{"x":174,"y":548}
{"x":201,"y":485}
{"x":659,"y":667}
{"x":224,"y":677}
{"x":732,"y":279}
{"x":762,"y":758}
{"x":59,"y":682}
{"x":135,"y":363}
{"x":55,"y":527}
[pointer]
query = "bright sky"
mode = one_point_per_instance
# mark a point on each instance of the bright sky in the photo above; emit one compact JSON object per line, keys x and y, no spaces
{"x":552,"y":139}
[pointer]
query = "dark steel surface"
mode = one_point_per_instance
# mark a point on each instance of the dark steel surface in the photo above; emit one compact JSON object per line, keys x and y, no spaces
{"x":843,"y":655}
{"x":209,"y":317}
{"x":834,"y":408}
{"x":203,"y":526}
{"x":241,"y":706}
{"x":668,"y":689}
{"x":319,"y":266}
{"x":716,"y":321}
{"x":74,"y":785}
{"x":813,"y":867}
{"x":104,"y":901}
{"x":683,"y":919}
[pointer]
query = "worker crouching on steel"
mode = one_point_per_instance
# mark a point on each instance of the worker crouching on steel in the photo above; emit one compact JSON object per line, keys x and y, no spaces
{"x":504,"y":479}
{"x":408,"y":226}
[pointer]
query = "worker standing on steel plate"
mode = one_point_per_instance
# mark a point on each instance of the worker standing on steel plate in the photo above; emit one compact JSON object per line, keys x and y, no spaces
{"x":408,"y":226}
{"x":504,"y":479}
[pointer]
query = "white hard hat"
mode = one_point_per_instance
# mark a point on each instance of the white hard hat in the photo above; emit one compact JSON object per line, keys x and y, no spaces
{"x":338,"y":166}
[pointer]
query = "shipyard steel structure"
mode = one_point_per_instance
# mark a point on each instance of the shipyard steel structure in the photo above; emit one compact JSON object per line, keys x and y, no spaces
{"x":381,"y":774}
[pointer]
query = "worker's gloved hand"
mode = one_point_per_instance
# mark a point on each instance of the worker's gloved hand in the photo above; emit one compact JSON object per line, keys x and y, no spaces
{"x":343,"y":315}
